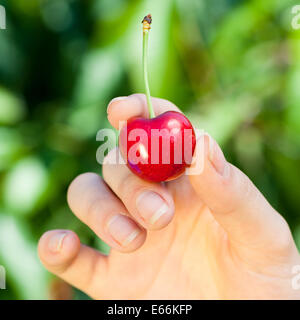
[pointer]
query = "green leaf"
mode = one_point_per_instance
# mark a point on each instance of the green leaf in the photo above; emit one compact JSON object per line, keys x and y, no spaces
{"x":25,"y":186}
{"x":19,"y":257}
{"x":11,"y":108}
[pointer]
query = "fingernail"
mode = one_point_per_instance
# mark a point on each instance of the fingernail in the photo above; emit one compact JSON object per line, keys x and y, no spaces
{"x":56,"y":242}
{"x":151,"y":206}
{"x":217,"y":158}
{"x":115,"y":100}
{"x":122,"y":229}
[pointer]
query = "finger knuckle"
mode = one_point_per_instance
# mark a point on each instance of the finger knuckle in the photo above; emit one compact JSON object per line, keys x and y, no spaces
{"x":78,"y":185}
{"x":109,"y":160}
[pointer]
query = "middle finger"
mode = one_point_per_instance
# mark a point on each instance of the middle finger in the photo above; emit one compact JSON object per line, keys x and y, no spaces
{"x":150,"y":204}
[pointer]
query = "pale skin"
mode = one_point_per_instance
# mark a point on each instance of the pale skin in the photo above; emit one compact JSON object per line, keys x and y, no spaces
{"x":207,"y":236}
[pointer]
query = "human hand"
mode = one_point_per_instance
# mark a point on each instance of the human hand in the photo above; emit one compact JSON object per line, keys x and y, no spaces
{"x":206,"y":236}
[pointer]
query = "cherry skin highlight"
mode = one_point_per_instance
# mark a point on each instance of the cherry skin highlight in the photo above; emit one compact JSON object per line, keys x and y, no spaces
{"x":160,"y":148}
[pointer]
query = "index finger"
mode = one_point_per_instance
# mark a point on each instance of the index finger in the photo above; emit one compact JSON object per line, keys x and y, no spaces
{"x":124,"y":108}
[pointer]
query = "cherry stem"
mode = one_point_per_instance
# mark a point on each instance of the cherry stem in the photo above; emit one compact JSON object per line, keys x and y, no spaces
{"x":145,"y":69}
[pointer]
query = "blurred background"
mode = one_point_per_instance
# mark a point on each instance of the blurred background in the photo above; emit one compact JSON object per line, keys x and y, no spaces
{"x":233,"y":66}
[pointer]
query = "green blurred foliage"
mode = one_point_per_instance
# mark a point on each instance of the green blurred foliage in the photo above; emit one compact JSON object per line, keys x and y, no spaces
{"x":233,"y":66}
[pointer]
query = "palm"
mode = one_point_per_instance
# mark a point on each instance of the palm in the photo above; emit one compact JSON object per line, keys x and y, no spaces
{"x":191,"y":257}
{"x":164,"y":260}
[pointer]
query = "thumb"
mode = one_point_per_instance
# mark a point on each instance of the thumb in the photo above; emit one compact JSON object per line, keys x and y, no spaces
{"x":235,"y":202}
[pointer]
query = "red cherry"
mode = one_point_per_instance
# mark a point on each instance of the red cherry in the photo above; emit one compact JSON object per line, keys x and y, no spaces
{"x":158,"y":149}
